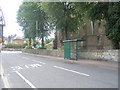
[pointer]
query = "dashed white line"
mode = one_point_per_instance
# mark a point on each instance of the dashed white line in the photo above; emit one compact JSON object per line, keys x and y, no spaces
{"x":71,"y":71}
{"x":28,"y":82}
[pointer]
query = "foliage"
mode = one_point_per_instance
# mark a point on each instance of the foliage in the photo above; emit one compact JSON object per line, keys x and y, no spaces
{"x":61,"y":48}
{"x":41,"y":48}
{"x":33,"y":21}
{"x":63,"y":16}
{"x":82,"y":9}
{"x":98,"y":11}
{"x":113,"y":24}
{"x":48,"y":46}
{"x":111,"y":13}
{"x":15,"y":45}
{"x":49,"y":40}
{"x":28,"y":47}
{"x":67,"y":17}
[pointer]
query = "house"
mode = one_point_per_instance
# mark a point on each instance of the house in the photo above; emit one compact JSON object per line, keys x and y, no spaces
{"x":19,"y":41}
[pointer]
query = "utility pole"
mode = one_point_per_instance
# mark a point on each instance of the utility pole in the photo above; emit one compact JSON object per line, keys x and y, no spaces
{"x":2,"y":24}
{"x":2,"y":36}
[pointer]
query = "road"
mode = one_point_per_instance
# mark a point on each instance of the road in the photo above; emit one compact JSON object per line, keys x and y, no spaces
{"x":32,"y":71}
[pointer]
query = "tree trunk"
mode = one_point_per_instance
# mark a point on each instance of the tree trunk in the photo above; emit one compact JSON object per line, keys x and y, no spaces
{"x":29,"y":41}
{"x":115,"y":44}
{"x":66,"y":32}
{"x":34,"y":42}
{"x":55,"y":41}
{"x":66,"y":25}
{"x":42,"y":41}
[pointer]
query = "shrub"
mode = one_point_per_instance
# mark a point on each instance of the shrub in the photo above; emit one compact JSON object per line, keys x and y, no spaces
{"x":48,"y":46}
{"x":14,"y":45}
{"x":61,"y":48}
{"x":28,"y":47}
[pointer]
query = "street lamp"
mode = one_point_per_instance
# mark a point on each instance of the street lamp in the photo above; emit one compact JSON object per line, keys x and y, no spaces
{"x":37,"y":28}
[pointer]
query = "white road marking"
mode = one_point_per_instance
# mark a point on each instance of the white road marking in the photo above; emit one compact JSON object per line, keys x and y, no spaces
{"x":71,"y":71}
{"x":26,"y":66}
{"x":13,"y":68}
{"x":18,"y":67}
{"x":38,"y":62}
{"x":5,"y":80}
{"x":27,"y":81}
{"x":35,"y":65}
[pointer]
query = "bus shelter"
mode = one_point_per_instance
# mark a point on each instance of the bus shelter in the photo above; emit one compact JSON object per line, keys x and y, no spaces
{"x":71,"y":49}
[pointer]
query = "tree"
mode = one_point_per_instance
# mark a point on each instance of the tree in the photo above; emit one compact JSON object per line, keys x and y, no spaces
{"x":63,"y":16}
{"x":113,"y":24}
{"x":111,"y":14}
{"x":27,"y":16}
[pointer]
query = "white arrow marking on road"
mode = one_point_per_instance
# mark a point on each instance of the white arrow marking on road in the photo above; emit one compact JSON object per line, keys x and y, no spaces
{"x":28,"y":82}
{"x":72,"y":71}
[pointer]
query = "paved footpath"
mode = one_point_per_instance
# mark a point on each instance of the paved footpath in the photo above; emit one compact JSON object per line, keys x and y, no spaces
{"x":100,"y":63}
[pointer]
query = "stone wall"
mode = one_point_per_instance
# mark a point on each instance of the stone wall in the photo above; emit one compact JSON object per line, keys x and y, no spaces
{"x":11,"y":49}
{"x":110,"y":55}
{"x":56,"y":53}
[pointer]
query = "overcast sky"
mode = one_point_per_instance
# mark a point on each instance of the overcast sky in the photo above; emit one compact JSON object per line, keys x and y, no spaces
{"x":10,"y":8}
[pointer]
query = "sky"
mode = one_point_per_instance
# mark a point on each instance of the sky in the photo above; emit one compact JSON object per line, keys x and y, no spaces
{"x":10,"y":8}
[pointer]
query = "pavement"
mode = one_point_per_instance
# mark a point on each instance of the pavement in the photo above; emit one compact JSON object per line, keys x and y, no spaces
{"x":102,"y":63}
{"x":39,"y":71}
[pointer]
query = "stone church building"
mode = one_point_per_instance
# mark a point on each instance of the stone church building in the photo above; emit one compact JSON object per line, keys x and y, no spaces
{"x":92,"y":33}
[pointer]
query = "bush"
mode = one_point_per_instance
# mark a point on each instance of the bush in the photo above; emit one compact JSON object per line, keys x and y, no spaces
{"x":41,"y":48}
{"x":14,"y":45}
{"x":61,"y":48}
{"x":28,"y":47}
{"x":48,"y":46}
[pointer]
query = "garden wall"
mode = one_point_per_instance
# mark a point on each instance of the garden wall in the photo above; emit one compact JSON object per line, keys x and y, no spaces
{"x":111,"y":55}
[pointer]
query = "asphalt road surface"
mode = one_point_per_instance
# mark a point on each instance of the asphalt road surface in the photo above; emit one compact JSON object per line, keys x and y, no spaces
{"x":31,"y":71}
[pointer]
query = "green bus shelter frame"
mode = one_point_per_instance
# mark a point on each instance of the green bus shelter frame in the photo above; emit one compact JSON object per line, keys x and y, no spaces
{"x":67,"y":49}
